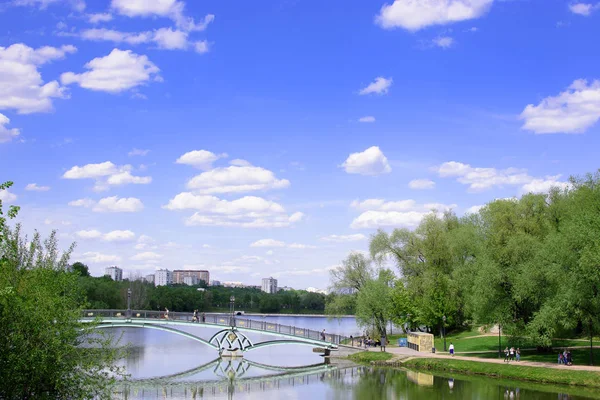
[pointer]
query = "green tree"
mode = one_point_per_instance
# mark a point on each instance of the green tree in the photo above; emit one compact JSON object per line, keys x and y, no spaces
{"x":374,"y":303}
{"x":81,"y":269}
{"x":45,"y":352}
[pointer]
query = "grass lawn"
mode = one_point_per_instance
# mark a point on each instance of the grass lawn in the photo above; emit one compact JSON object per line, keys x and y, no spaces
{"x":366,"y":357}
{"x":512,"y":371}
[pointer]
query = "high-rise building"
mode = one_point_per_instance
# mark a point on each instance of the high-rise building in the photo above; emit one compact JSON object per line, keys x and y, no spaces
{"x":190,"y":280}
{"x":115,"y":273}
{"x":200,"y":275}
{"x":269,"y":285}
{"x":215,"y":283}
{"x":149,"y":278}
{"x":163,"y":277}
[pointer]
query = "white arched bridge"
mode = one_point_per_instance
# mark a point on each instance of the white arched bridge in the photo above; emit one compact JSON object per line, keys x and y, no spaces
{"x":230,"y":339}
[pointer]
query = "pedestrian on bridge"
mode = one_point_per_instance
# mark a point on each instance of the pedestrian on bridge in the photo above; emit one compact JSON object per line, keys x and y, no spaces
{"x":166,"y":313}
{"x":195,"y":317}
{"x":323,"y":335}
{"x":203,"y":317}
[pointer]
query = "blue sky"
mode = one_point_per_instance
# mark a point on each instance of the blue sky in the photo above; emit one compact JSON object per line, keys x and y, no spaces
{"x":272,"y":138}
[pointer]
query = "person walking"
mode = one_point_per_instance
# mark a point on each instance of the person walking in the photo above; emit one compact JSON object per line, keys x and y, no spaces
{"x":203,"y":317}
{"x":383,"y":342}
{"x":512,"y":354}
{"x":506,"y":355}
{"x":195,"y":316}
{"x":351,"y":340}
{"x":518,"y":353}
{"x":166,"y":313}
{"x":323,"y":335}
{"x":451,"y":349}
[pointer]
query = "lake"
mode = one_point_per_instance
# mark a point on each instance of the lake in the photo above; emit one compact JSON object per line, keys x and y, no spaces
{"x":167,"y":366}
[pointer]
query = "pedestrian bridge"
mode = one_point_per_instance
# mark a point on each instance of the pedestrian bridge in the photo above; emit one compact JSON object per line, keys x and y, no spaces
{"x":230,"y":339}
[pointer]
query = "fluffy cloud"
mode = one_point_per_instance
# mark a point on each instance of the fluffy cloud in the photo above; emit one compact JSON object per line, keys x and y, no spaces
{"x":344,"y":238}
{"x":381,"y":85}
{"x":202,"y":159}
{"x":21,"y":85}
{"x":172,"y":9}
{"x":544,"y":185}
{"x":584,"y":9}
{"x":99,"y":17}
{"x":34,"y":187}
{"x":110,"y":204}
{"x":268,"y":243}
{"x":444,"y":42}
{"x":98,"y":258}
{"x":404,"y":213}
{"x":421,"y":184}
{"x":119,"y":236}
{"x":7,"y":197}
{"x":145,"y":242}
{"x":90,"y":234}
{"x":369,"y":162}
{"x":247,"y":212}
{"x":480,"y":179}
{"x":235,"y":179}
{"x":120,"y":70}
{"x":474,"y":209}
{"x":163,"y":38}
{"x":367,"y":119}
{"x":278,"y":243}
{"x":138,"y":152}
{"x":106,"y":174}
{"x":414,"y":15}
{"x":240,"y":163}
{"x":572,"y":111}
{"x":201,"y":47}
{"x":7,"y":134}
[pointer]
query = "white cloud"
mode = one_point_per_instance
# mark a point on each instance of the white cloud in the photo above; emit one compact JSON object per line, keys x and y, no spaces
{"x":110,"y":204}
{"x":240,"y":163}
{"x":115,"y":204}
{"x":138,"y":152}
{"x":235,"y":179}
{"x":301,"y":246}
{"x":120,"y":70}
{"x":480,"y":179}
{"x":544,"y":185}
{"x":444,"y":42}
{"x":202,"y":159}
{"x":77,"y":5}
{"x":36,"y":188}
{"x":90,"y":234}
{"x":572,"y":111}
{"x":247,"y":212}
{"x":146,"y":256}
{"x":201,"y":47}
{"x":119,"y":236}
{"x":102,"y":34}
{"x":344,"y":238}
{"x":106,"y":174}
{"x":172,"y":9}
{"x":414,"y":15}
{"x":7,"y":197}
{"x":21,"y":85}
{"x":98,"y":258}
{"x":584,"y":9}
{"x":82,"y":203}
{"x":421,"y":184}
{"x":369,"y":162}
{"x":268,"y":243}
{"x":474,"y":209}
{"x":381,"y":85}
{"x":48,"y":221}
{"x":367,"y":119}
{"x":7,"y":134}
{"x":167,"y":38}
{"x":145,"y":242}
{"x":404,"y":213}
{"x":99,"y":17}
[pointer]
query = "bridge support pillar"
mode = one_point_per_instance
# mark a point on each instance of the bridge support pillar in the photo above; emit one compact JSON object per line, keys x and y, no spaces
{"x":232,"y":353}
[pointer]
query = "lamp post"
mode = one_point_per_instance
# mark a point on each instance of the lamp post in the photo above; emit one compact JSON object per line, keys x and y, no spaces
{"x":128,"y":302}
{"x":499,"y":341}
{"x":232,"y":306}
{"x":444,"y":330}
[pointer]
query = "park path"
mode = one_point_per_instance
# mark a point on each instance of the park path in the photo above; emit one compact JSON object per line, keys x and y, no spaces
{"x":404,"y":353}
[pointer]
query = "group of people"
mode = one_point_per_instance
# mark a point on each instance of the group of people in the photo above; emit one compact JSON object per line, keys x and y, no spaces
{"x":196,"y":319}
{"x":565,"y":358}
{"x":368,"y":342}
{"x":510,"y":354}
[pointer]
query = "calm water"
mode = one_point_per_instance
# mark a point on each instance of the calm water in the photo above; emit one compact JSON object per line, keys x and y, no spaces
{"x":167,"y":366}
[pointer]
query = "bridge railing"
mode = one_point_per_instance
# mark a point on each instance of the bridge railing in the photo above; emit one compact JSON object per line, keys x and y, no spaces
{"x":218,"y":319}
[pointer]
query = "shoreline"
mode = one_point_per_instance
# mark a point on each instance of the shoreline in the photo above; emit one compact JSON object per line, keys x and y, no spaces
{"x":282,"y":315}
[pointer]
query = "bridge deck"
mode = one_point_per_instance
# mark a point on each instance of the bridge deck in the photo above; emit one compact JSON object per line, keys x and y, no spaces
{"x":214,"y":321}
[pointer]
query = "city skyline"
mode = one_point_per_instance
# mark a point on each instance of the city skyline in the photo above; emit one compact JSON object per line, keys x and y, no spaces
{"x":198,"y":135}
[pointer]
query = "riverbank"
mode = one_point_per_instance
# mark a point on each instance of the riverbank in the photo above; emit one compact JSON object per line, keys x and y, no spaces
{"x":559,"y":376}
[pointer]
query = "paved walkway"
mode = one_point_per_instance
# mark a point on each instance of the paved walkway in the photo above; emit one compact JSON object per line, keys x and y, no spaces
{"x":404,"y":353}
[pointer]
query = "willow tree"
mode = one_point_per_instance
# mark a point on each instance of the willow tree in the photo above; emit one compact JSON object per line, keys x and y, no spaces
{"x":45,"y":352}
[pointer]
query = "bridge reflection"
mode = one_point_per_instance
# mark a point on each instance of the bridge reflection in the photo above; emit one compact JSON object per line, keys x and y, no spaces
{"x":226,"y":385}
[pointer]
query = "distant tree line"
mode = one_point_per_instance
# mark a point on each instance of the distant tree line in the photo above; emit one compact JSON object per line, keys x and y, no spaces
{"x":104,"y":293}
{"x":530,"y":265}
